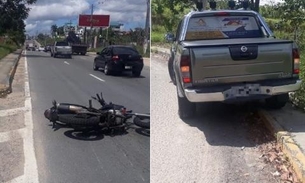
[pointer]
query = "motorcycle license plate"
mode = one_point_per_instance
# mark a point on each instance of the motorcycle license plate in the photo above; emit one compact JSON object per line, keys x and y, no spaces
{"x":127,"y":67}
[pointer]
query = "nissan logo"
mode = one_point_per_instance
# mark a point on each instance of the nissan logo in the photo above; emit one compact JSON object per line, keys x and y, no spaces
{"x":243,"y":48}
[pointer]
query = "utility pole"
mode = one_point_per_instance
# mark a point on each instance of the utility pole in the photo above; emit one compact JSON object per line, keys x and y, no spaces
{"x":147,"y":26}
{"x":91,"y":25}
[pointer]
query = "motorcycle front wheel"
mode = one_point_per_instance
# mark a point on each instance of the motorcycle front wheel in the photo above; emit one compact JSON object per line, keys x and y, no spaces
{"x":143,"y":122}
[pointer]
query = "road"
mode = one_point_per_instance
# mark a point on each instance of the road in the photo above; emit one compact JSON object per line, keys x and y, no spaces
{"x":63,"y":158}
{"x":214,"y":147}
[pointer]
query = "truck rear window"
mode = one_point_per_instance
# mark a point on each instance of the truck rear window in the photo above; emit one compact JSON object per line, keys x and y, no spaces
{"x":222,"y":27}
{"x":62,"y":44}
{"x":124,"y":50}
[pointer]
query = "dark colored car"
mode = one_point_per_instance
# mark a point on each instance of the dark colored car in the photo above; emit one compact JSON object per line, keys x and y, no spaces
{"x":119,"y":58}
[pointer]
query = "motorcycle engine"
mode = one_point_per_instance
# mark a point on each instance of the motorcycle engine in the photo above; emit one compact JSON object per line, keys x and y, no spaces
{"x":114,"y":120}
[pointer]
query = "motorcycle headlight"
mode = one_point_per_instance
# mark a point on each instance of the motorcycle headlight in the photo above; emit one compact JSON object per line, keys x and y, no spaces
{"x":51,"y":114}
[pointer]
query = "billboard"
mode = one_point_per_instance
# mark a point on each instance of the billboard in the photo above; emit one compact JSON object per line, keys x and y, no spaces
{"x":97,"y":20}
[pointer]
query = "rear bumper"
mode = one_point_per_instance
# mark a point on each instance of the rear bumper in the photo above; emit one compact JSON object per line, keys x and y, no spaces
{"x":194,"y":96}
{"x":120,"y":66}
{"x":68,"y":52}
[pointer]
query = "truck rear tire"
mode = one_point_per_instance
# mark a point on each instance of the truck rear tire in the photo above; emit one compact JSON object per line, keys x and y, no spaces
{"x":171,"y":70}
{"x":277,"y":102}
{"x":186,"y":109}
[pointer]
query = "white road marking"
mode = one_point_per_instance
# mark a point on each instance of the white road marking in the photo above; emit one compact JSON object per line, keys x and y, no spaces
{"x":67,"y":63}
{"x":18,"y":179}
{"x":30,"y":164}
{"x":11,"y":135}
{"x":11,"y":112}
{"x":142,"y":178}
{"x":97,"y":77}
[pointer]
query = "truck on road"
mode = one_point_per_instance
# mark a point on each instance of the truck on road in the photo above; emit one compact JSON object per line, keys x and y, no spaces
{"x":30,"y":47}
{"x":75,"y":42}
{"x":61,"y":48}
{"x":231,"y":56}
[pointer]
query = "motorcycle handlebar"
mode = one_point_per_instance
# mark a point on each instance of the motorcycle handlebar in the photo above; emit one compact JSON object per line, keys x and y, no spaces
{"x":98,"y":97}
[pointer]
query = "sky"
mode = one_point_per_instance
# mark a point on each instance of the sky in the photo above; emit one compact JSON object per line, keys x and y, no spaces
{"x":263,"y":2}
{"x":45,"y":13}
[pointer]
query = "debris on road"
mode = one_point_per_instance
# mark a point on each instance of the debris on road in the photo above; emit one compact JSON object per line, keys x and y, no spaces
{"x":271,"y":152}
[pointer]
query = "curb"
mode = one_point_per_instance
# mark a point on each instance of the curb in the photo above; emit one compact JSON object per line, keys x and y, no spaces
{"x":289,"y":146}
{"x":7,"y":88}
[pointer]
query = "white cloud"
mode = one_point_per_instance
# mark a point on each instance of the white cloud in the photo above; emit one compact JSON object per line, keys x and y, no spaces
{"x":47,"y":12}
{"x":30,"y":27}
{"x":57,"y":9}
{"x":270,"y":2}
{"x":39,"y":26}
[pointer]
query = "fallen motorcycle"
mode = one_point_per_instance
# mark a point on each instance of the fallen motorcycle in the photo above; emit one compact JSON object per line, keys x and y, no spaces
{"x":110,"y":116}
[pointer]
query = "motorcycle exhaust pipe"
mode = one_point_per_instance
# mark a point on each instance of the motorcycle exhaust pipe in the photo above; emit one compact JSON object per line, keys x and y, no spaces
{"x":68,"y":108}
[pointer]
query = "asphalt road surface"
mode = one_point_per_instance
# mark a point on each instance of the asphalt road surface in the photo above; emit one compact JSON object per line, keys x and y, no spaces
{"x":63,"y":158}
{"x":214,"y":147}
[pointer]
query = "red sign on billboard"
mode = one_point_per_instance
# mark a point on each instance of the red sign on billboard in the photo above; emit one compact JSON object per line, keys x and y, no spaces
{"x":97,"y":20}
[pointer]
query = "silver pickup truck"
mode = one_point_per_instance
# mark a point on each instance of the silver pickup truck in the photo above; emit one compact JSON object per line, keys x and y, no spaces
{"x":231,"y":56}
{"x":61,"y":48}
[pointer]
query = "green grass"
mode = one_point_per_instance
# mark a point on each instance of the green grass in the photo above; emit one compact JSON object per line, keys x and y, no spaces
{"x":157,"y":37}
{"x":98,"y":49}
{"x":6,"y":49}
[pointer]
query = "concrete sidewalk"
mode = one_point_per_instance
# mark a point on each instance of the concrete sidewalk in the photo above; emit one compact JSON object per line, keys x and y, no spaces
{"x":287,"y":124}
{"x":7,"y":70}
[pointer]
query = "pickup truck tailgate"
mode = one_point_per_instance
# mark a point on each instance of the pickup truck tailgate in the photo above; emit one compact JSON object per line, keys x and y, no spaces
{"x":63,"y":48}
{"x":239,"y":60}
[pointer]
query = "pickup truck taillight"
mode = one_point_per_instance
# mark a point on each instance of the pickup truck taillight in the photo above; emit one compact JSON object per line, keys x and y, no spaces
{"x":296,"y":61}
{"x":185,"y":64}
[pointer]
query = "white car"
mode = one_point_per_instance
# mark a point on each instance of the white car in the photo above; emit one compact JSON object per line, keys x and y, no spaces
{"x":41,"y":48}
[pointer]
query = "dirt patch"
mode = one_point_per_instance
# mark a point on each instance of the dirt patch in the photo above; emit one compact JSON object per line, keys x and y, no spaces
{"x":271,"y":153}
